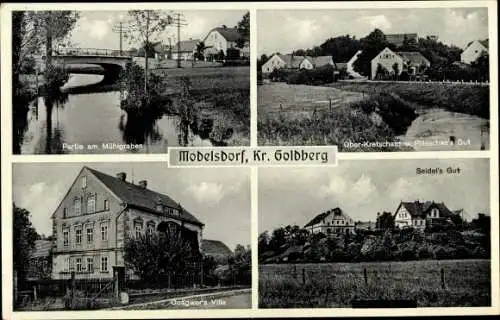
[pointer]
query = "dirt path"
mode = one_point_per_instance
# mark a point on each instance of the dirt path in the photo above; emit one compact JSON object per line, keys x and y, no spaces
{"x":230,"y":299}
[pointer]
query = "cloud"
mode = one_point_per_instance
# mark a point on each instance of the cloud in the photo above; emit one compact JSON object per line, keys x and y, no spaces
{"x":211,"y":193}
{"x":41,"y":199}
{"x":347,"y":191}
{"x":96,"y":29}
{"x":377,"y":21}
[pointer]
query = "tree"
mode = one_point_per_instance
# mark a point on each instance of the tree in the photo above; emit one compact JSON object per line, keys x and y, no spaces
{"x":148,"y":24}
{"x":24,"y":240}
{"x":482,"y":64}
{"x":395,"y":69}
{"x":152,"y":257}
{"x":263,"y":242}
{"x":243,"y":28}
{"x":200,"y":49}
{"x":371,"y":45}
{"x":385,"y":221}
{"x":240,"y":265}
{"x":341,"y":48}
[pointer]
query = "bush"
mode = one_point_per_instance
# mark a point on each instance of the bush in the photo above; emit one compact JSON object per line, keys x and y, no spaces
{"x":318,"y":76}
{"x":424,"y":253}
{"x":441,"y":253}
{"x":407,"y":255}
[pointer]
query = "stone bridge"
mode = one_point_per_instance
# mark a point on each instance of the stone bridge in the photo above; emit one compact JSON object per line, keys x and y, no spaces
{"x":111,"y":61}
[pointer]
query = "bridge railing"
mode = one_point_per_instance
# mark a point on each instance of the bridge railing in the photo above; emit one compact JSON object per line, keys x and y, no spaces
{"x":90,"y":52}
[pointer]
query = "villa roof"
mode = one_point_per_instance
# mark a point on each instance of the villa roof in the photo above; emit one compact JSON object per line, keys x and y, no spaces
{"x":320,"y":217}
{"x":420,"y":209}
{"x":140,"y":197}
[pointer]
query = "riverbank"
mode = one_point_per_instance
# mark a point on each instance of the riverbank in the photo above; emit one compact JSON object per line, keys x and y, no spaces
{"x":455,"y":97}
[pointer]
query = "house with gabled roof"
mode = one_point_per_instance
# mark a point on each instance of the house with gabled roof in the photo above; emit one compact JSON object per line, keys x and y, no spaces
{"x":333,"y":221}
{"x":282,"y":61}
{"x":99,"y":212}
{"x":224,"y":38}
{"x":420,"y":215}
{"x":473,"y":50}
{"x":391,"y":62}
{"x":185,"y":49}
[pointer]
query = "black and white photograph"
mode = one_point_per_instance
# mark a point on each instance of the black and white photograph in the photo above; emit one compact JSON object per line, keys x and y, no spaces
{"x":413,"y":79}
{"x":134,"y":81}
{"x":130,"y":236}
{"x":376,"y":234}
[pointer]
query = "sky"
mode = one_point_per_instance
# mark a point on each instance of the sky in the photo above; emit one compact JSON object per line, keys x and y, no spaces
{"x":219,"y":197}
{"x":361,"y":188}
{"x":94,"y":29}
{"x":287,"y":30}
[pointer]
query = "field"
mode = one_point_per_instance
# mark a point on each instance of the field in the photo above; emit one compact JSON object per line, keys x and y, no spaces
{"x":336,"y":114}
{"x":330,"y":285}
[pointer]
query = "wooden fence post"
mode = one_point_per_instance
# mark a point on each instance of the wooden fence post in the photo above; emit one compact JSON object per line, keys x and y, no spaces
{"x":303,"y":276}
{"x":443,"y":286}
{"x":330,"y":104}
{"x":365,"y":275}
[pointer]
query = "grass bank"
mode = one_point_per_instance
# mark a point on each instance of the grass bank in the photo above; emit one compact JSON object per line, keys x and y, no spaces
{"x":380,"y":119}
{"x":330,"y":285}
{"x":463,"y":98}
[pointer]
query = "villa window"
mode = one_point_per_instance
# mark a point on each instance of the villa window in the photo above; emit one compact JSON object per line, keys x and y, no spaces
{"x":104,"y":264}
{"x":91,"y":204}
{"x":84,"y":182}
{"x":65,"y":213}
{"x":79,"y":267}
{"x":104,"y":231}
{"x":90,"y":235}
{"x":138,"y":230}
{"x":77,"y":206}
{"x":66,"y":237}
{"x":78,"y":234}
{"x":106,"y":205}
{"x":90,"y":264}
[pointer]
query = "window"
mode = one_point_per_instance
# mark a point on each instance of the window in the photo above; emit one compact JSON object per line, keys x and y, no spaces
{"x":79,"y":265}
{"x":104,"y":231}
{"x":104,"y":264}
{"x":66,"y":264}
{"x":66,"y":237}
{"x":78,"y":234}
{"x":91,"y":204}
{"x":106,"y":205}
{"x":90,"y":264}
{"x":138,"y":230}
{"x":77,"y":206}
{"x":90,"y":235}
{"x":65,"y":213}
{"x":84,"y":182}
{"x":150,"y":229}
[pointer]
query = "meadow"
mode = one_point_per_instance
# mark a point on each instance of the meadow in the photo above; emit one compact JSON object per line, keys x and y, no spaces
{"x":467,"y":283}
{"x":338,"y":113}
{"x":223,"y":94}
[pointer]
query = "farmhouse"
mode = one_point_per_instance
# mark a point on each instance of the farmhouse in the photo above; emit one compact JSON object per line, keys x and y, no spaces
{"x":473,"y":50}
{"x":389,"y":63}
{"x":316,"y":62}
{"x":419,"y":215}
{"x":282,"y":61}
{"x":185,"y":49}
{"x":99,"y":212}
{"x":331,"y":221}
{"x":224,"y":38}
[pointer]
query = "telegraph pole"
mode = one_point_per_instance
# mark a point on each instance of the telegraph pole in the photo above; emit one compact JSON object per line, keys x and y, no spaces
{"x":179,"y":22}
{"x":120,"y":29}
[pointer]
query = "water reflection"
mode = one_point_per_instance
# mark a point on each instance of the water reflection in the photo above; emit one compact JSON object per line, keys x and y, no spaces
{"x":48,"y":124}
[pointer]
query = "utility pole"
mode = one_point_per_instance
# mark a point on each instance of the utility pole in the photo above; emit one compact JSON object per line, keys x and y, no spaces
{"x":179,"y":22}
{"x":120,"y":29}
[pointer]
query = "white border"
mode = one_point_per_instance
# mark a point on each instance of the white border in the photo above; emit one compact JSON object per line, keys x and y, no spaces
{"x":253,"y":7}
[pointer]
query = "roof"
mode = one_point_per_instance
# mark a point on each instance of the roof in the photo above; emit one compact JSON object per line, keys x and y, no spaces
{"x":484,"y":42}
{"x":162,"y":48}
{"x":341,"y":65}
{"x":215,"y":248}
{"x":322,"y":61}
{"x":397,"y":39}
{"x":325,"y":214}
{"x":413,"y":57}
{"x":420,"y":209}
{"x":230,"y":34}
{"x":42,"y":249}
{"x":291,"y":61}
{"x":137,"y":196}
{"x":186,"y":46}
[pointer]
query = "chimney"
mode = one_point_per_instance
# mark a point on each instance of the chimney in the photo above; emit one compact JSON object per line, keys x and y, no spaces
{"x":143,"y":183}
{"x":121,"y":176}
